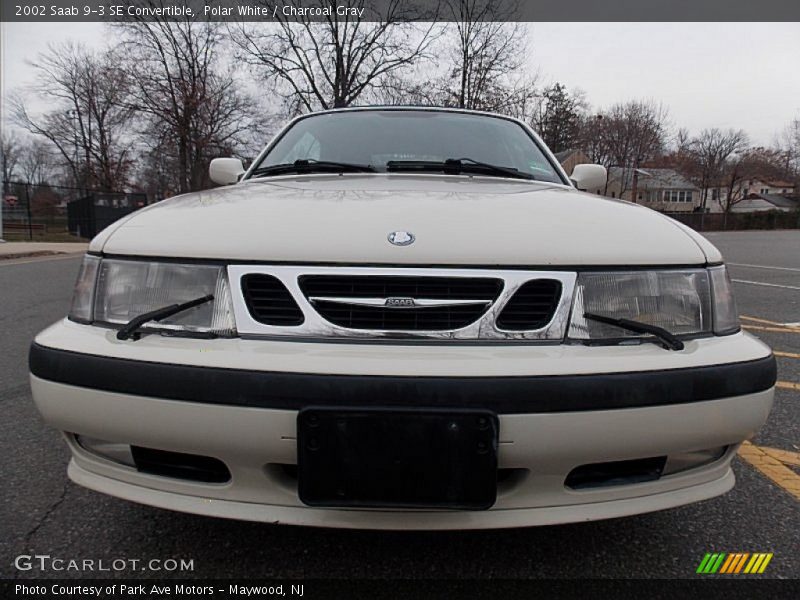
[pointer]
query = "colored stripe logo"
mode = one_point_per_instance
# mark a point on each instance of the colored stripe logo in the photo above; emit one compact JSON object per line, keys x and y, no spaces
{"x":734,"y":563}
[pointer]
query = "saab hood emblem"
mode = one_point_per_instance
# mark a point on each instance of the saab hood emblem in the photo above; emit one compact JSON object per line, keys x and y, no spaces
{"x":400,"y":303}
{"x":401,"y":238}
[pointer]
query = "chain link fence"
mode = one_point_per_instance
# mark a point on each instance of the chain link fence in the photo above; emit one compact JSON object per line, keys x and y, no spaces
{"x":53,"y":213}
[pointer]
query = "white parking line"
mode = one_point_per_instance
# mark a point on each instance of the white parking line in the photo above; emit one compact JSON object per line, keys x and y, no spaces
{"x":10,"y":262}
{"x":776,"y":285}
{"x":764,"y":267}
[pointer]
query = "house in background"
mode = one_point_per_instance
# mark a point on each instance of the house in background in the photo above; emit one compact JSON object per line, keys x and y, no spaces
{"x":768,"y":187}
{"x":570,"y":158}
{"x":664,"y":190}
{"x":762,"y":202}
{"x":754,"y":195}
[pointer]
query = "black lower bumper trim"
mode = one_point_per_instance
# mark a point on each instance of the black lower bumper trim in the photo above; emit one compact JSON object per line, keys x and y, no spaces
{"x":294,"y":391}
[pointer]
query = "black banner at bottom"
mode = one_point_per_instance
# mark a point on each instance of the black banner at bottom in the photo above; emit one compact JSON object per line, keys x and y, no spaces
{"x":708,"y":588}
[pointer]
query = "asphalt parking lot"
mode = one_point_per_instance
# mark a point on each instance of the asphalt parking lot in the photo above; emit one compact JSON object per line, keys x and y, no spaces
{"x":43,"y":513}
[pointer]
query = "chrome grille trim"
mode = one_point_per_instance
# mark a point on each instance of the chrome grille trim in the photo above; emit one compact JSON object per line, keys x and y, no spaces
{"x":385,"y":302}
{"x":315,"y":326}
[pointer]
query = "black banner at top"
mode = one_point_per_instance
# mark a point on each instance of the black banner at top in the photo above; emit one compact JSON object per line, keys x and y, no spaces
{"x":402,"y":10}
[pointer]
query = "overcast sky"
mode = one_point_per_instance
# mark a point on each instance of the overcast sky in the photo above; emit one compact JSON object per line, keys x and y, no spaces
{"x":741,"y":75}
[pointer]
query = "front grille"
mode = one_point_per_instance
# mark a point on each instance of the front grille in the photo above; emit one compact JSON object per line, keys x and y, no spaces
{"x":336,"y":297}
{"x":269,"y":301}
{"x":401,"y":303}
{"x":532,"y":306}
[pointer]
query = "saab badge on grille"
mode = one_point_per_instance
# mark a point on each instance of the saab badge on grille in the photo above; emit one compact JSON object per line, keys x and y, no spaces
{"x":400,"y":303}
{"x":401,"y":238}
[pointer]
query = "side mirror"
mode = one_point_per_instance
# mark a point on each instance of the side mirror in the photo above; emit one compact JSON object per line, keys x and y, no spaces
{"x":225,"y":171}
{"x":589,"y":177}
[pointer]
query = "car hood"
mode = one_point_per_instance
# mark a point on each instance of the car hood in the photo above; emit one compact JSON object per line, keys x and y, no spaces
{"x":478,"y":221}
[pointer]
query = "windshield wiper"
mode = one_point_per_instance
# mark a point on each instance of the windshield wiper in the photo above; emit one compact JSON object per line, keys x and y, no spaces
{"x":129,"y":330}
{"x":456,"y":166}
{"x":669,"y":340}
{"x":309,"y":165}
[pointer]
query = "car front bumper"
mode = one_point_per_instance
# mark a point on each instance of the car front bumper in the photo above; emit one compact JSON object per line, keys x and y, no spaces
{"x":559,"y":407}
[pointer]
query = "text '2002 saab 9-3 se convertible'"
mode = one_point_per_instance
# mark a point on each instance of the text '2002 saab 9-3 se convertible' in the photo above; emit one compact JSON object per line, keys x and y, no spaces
{"x":403,"y":318}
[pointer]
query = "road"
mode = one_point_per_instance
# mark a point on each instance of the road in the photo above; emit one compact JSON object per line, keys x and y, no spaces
{"x":43,"y":513}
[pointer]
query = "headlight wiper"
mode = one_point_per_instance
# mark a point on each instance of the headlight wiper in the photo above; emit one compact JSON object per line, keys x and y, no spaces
{"x":669,"y":340}
{"x":309,"y":165}
{"x":129,"y":330}
{"x":455,"y":166}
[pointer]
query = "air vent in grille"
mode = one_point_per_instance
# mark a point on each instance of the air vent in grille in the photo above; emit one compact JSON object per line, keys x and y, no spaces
{"x":269,"y":301}
{"x":336,"y":297}
{"x":391,"y":286}
{"x":532,"y":306}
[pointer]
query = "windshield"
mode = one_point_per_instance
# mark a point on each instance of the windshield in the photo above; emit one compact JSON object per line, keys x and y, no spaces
{"x":375,"y":137}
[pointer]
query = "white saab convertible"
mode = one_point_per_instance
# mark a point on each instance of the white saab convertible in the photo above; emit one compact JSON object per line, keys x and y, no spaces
{"x":403,"y":318}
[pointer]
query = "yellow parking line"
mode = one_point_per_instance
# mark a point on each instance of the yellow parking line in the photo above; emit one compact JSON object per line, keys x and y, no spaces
{"x":785,"y":456}
{"x":788,"y":385}
{"x":771,"y":468}
{"x":785,"y":354}
{"x":759,"y":320}
{"x":777,"y":329}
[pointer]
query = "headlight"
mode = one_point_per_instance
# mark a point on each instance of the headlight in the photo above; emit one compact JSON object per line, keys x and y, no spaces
{"x":83,"y":296}
{"x":690,"y":302}
{"x":125,"y":289}
{"x":726,"y":317}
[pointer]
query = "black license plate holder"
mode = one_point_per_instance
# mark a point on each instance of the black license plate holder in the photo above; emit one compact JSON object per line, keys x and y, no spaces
{"x":397,"y":458}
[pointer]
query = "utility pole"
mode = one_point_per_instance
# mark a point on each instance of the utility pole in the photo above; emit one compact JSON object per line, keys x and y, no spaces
{"x":635,"y":184}
{"x":3,"y":198}
{"x":5,"y":193}
{"x":72,"y":114}
{"x":28,"y":203}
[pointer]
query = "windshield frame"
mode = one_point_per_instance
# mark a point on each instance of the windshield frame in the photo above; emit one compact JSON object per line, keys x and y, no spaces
{"x":554,"y":164}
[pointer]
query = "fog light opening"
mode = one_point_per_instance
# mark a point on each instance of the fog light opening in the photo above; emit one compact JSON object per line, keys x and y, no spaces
{"x":113,"y":451}
{"x":683,"y":461}
{"x":619,"y":472}
{"x":180,"y":465}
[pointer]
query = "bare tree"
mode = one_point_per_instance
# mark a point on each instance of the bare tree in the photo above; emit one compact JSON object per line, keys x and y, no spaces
{"x":36,"y":162}
{"x":626,"y":135}
{"x":789,"y":145}
{"x":9,"y":157}
{"x":710,"y":152}
{"x":488,"y":51}
{"x":90,"y":125}
{"x":732,"y":188}
{"x":744,"y":165}
{"x":591,"y":138}
{"x":484,"y":58}
{"x":193,"y":106}
{"x":339,"y":60}
{"x":683,"y":141}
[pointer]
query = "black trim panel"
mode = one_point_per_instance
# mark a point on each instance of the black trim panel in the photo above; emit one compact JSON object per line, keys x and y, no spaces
{"x":294,"y":391}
